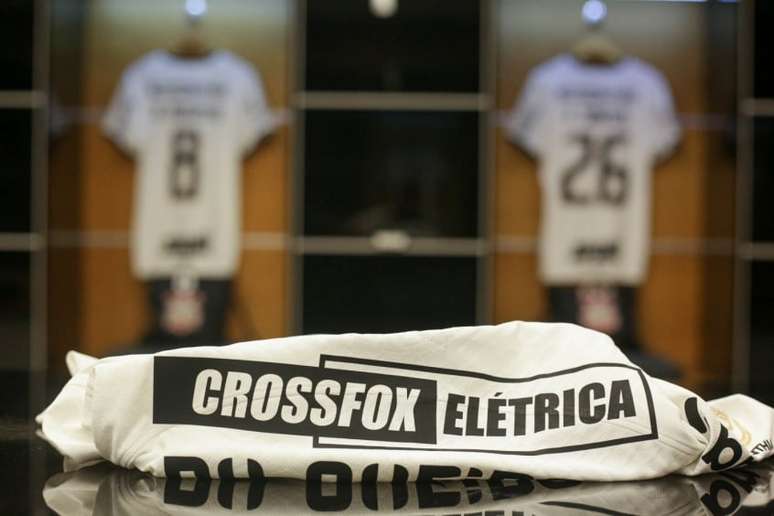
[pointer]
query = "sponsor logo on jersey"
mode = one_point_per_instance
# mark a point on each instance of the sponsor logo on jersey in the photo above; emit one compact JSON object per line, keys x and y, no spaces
{"x":349,"y":402}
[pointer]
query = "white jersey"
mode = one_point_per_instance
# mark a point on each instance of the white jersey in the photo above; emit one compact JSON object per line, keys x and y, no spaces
{"x":188,"y":122}
{"x":490,"y":402}
{"x":596,"y":131}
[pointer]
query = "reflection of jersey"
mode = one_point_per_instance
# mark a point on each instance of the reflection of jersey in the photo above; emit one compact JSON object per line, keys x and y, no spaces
{"x":596,"y":131}
{"x":188,"y":122}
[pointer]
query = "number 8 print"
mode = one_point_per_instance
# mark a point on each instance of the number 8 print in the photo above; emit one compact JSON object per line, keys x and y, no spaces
{"x":184,"y":173}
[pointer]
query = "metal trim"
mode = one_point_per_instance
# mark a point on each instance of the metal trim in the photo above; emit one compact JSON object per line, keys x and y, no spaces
{"x":391,"y":101}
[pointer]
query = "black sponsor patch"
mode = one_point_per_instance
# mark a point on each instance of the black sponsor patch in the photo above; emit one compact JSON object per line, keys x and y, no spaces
{"x":292,"y":399}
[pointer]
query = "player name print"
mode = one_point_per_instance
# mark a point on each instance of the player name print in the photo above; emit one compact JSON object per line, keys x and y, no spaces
{"x":349,"y":402}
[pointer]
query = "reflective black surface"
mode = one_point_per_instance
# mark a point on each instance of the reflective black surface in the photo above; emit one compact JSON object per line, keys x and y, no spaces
{"x":373,"y":170}
{"x":382,"y":294}
{"x":425,"y":45}
{"x":116,"y":491}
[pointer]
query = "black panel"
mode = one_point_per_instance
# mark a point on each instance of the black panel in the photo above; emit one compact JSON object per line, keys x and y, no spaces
{"x":16,"y":48}
{"x":426,"y":45}
{"x":15,"y":135}
{"x":14,"y":310}
{"x":387,"y":293}
{"x":414,"y":171}
{"x":763,"y":177}
{"x":762,"y":331}
{"x":764,"y":49}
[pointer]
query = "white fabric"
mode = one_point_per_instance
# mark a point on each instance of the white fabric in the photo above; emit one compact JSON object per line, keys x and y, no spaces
{"x":546,"y":400}
{"x":596,"y":131}
{"x":188,"y":123}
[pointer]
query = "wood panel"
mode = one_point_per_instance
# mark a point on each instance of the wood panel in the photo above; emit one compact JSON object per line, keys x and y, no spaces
{"x":91,"y":182}
{"x":676,"y":320}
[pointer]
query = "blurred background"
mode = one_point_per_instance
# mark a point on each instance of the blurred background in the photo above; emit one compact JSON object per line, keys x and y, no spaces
{"x":386,"y":195}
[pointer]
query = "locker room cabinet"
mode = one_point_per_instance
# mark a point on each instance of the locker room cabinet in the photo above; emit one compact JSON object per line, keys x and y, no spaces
{"x":413,"y":171}
{"x":754,"y":324}
{"x":349,"y":47}
{"x":383,"y":294}
{"x":379,"y":158}
{"x":15,"y":148}
{"x":16,"y":44}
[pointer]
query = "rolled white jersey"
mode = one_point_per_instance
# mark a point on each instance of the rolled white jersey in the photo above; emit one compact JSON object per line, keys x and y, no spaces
{"x":596,"y":131}
{"x":188,"y":122}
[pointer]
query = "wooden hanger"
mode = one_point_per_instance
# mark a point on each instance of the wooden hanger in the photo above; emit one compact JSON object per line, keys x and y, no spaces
{"x":595,"y":47}
{"x":192,"y":45}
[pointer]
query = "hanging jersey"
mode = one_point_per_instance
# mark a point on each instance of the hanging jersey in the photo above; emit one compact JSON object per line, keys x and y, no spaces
{"x":188,"y":123}
{"x":596,"y":132}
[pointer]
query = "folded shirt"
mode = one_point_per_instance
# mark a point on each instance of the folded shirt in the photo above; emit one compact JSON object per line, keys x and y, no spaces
{"x":486,"y":402}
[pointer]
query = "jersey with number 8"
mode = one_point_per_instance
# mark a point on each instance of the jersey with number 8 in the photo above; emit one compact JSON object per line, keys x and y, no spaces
{"x":188,"y":123}
{"x":596,"y":131}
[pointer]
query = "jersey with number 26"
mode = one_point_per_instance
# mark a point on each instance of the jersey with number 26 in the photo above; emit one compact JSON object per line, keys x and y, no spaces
{"x":596,"y":131}
{"x":188,"y":123}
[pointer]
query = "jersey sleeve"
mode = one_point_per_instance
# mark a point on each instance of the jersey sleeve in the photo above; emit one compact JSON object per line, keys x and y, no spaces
{"x":664,"y":126}
{"x":256,"y":119}
{"x":122,"y":122}
{"x":526,"y":124}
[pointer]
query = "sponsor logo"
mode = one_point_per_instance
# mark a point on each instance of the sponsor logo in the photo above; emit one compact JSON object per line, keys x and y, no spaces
{"x":349,"y":402}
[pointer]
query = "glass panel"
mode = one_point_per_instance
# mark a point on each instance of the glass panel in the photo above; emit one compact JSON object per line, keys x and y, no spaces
{"x":425,"y":45}
{"x":382,"y":294}
{"x":16,"y":44}
{"x":15,"y":136}
{"x":373,"y":170}
{"x":764,"y":49}
{"x":762,"y":331}
{"x":763,"y":179}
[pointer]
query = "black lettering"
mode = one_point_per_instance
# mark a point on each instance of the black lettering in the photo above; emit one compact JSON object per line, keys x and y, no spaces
{"x":453,"y":414}
{"x":471,"y":421}
{"x":338,"y":501}
{"x":584,"y":403}
{"x":519,"y":414}
{"x":691,"y":408}
{"x":546,"y":407}
{"x":621,"y":400}
{"x":399,"y":487}
{"x":713,"y":499}
{"x":174,"y":494}
{"x":505,"y":484}
{"x":724,"y":442}
{"x":494,"y":416}
{"x":568,"y":408}
{"x":368,"y":485}
{"x":257,"y":483}
{"x":427,"y":496}
{"x":473,"y":489}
